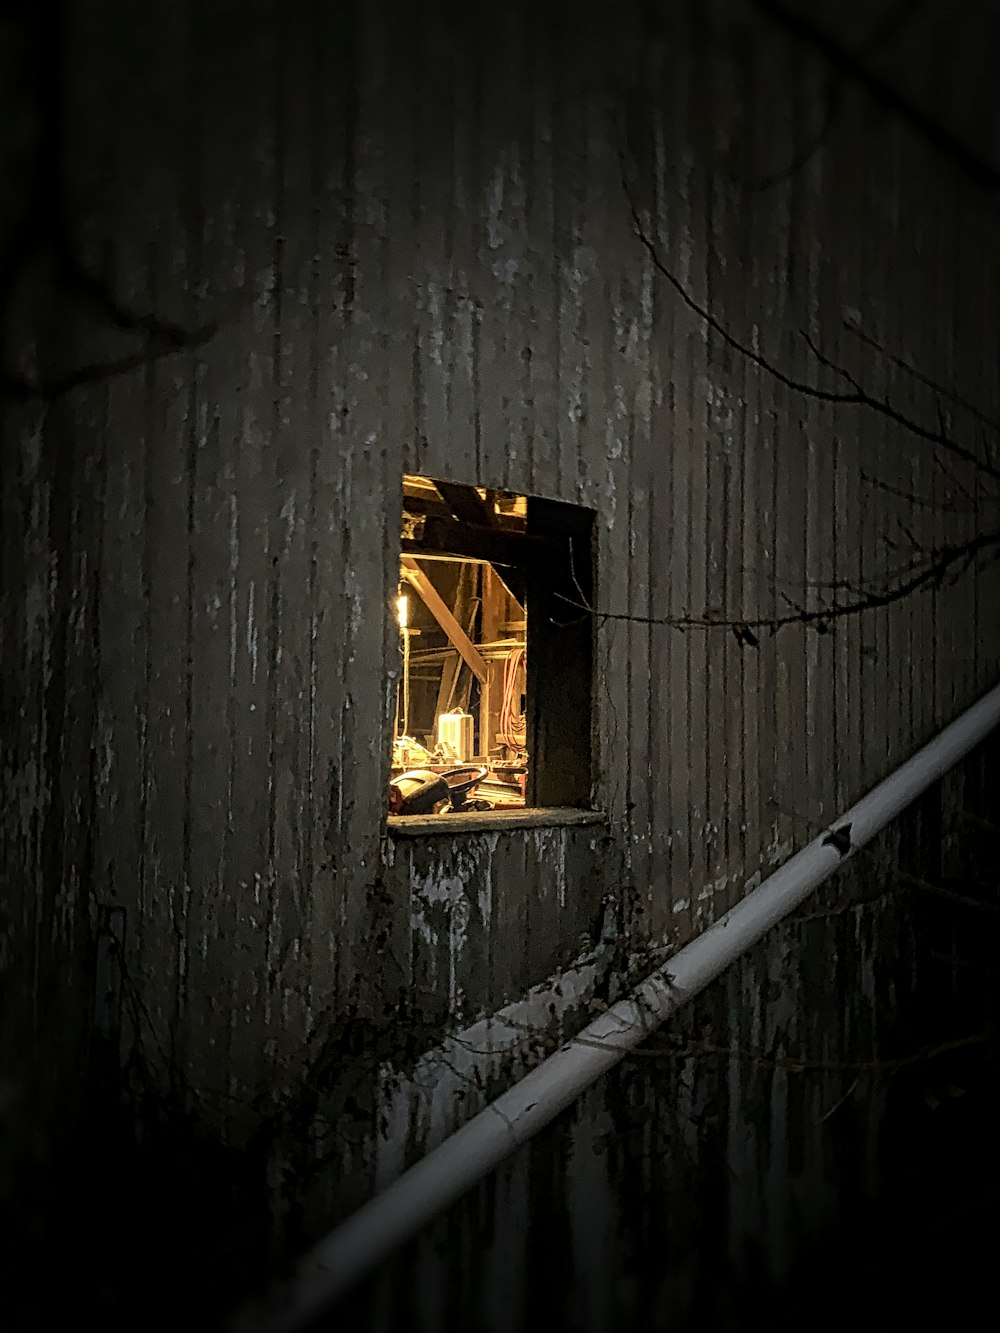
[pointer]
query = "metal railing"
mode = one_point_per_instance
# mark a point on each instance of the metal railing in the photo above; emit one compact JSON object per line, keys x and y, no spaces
{"x":367,"y":1237}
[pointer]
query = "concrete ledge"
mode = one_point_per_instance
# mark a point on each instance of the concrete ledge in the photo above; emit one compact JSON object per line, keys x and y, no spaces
{"x":491,"y":821}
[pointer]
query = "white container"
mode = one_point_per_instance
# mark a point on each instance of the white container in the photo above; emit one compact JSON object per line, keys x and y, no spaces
{"x":454,"y":731}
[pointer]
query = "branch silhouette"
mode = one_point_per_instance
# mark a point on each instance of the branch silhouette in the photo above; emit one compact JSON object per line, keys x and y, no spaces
{"x":928,"y":568}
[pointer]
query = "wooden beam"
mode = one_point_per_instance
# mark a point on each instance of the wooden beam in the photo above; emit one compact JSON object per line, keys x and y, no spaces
{"x":495,"y":599}
{"x":452,"y":666}
{"x":414,"y":575}
{"x":466,"y":504}
{"x":452,"y":539}
{"x":432,"y":506}
{"x":512,"y":581}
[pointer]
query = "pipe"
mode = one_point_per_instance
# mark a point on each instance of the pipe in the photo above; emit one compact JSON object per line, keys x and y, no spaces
{"x":396,"y":1215}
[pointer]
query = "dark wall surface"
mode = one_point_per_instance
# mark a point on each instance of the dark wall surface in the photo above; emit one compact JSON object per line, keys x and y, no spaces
{"x":257,"y":260}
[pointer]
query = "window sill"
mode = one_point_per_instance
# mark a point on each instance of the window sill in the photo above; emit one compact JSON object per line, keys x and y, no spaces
{"x":492,"y":821}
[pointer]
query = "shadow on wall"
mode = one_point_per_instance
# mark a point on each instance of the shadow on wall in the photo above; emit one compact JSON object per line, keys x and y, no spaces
{"x":814,"y":1141}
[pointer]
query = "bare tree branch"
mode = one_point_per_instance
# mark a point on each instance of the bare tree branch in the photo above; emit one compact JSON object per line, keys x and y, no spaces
{"x":938,"y":568}
{"x":939,"y":891}
{"x":802,"y":1065}
{"x":938,"y":436}
{"x":902,"y":364}
{"x":855,"y":396}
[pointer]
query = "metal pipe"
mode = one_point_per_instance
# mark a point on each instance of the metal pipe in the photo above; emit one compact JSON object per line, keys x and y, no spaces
{"x":397,"y":1214}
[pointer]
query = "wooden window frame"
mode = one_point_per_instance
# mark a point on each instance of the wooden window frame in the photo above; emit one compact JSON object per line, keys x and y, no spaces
{"x":551,"y":568}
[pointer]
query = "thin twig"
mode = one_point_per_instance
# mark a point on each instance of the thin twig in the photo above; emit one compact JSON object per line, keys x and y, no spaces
{"x":940,"y":566}
{"x":838,"y":1103}
{"x":921,"y":378}
{"x":796,"y":1065}
{"x":921,"y":502}
{"x":964,"y":899}
{"x":854,"y":396}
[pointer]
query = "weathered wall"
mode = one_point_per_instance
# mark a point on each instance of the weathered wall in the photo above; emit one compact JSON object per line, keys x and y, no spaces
{"x":810,"y":1138}
{"x":410,"y":225}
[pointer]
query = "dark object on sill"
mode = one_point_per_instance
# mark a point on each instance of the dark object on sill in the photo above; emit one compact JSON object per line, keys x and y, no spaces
{"x":418,"y":792}
{"x":423,"y":792}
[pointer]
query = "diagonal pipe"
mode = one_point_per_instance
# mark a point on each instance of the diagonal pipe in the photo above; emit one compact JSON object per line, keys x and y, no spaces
{"x":368,"y":1236}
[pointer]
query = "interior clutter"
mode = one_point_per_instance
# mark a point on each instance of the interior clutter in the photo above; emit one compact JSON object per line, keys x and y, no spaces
{"x":460,"y":729}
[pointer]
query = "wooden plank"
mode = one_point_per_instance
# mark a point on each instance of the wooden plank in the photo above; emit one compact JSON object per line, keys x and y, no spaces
{"x":545,"y":850}
{"x":509,"y":920}
{"x":852,"y":459}
{"x":451,"y":667}
{"x":719,"y":418}
{"x":962,"y":225}
{"x":751,"y":544}
{"x":461,"y":297}
{"x":825,"y":328}
{"x":543,"y":260}
{"x":25,"y":566}
{"x":414,"y":575}
{"x":204,"y":1031}
{"x":699,"y":594}
{"x":908,"y":301}
{"x":772,"y":828}
{"x":875,"y":666}
{"x":165,"y":785}
{"x":663,"y":660}
{"x":118,"y":832}
{"x":469,"y":926}
{"x":639,"y":682}
{"x":467,"y":505}
{"x":67,"y":450}
{"x":432,"y":893}
{"x":371,"y":464}
{"x":785,"y":347}
{"x":433,"y":222}
{"x":289,"y":650}
{"x":495,"y":600}
{"x":835,"y":288}
{"x":575,"y":263}
{"x":601,"y":465}
{"x":676,"y":717}
{"x":419,"y":826}
{"x":449,"y":540}
{"x":249,"y":604}
{"x":588,"y":876}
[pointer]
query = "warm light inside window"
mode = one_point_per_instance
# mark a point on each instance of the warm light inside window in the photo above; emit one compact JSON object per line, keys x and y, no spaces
{"x":473,"y":574}
{"x":460,"y":725}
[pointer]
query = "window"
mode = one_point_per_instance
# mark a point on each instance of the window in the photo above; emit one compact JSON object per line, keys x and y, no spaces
{"x":493,"y":707}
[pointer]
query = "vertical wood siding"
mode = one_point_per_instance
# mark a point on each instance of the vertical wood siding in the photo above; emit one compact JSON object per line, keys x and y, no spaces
{"x":410,"y":223}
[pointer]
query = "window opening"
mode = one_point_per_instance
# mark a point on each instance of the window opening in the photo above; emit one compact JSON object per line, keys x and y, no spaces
{"x":481,"y":721}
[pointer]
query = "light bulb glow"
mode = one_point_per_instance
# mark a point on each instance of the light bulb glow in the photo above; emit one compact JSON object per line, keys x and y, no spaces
{"x":401,"y":610}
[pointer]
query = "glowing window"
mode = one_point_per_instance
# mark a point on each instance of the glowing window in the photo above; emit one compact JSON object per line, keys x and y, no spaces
{"x":493,"y":707}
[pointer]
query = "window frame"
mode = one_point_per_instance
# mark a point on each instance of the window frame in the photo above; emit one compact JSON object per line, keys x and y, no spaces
{"x":552,"y":565}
